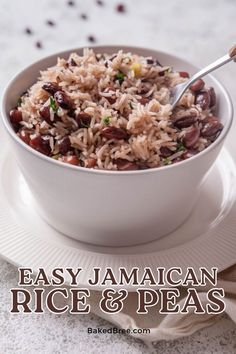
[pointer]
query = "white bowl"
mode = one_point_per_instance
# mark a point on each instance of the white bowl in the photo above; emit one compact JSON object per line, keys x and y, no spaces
{"x":108,"y":207}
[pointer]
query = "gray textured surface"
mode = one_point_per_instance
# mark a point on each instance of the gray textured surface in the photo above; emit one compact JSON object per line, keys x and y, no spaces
{"x":199,"y":31}
{"x":67,"y":334}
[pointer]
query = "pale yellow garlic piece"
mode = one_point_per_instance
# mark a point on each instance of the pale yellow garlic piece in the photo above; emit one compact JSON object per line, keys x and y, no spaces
{"x":137,"y":69}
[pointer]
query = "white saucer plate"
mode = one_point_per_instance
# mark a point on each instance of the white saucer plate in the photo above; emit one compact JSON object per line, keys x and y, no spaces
{"x":206,"y":239}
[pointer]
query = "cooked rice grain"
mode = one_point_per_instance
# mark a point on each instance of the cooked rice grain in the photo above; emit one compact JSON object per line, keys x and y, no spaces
{"x":123,"y":91}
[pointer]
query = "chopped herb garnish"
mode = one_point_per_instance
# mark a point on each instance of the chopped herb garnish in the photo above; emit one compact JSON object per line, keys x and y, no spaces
{"x":167,"y":161}
{"x":120,"y":77}
{"x":19,"y":101}
{"x":106,"y":120}
{"x":180,"y":147}
{"x":53,"y":105}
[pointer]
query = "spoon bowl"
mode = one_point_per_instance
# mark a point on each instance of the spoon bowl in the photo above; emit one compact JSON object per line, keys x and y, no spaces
{"x":179,"y":90}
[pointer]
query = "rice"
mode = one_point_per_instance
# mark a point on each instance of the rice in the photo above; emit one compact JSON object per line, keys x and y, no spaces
{"x":113,"y":112}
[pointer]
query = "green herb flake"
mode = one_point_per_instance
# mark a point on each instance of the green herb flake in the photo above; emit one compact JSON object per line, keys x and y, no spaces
{"x":120,"y":77}
{"x":167,"y":161}
{"x":180,"y":147}
{"x":53,"y":105}
{"x":19,"y":102}
{"x":106,"y":120}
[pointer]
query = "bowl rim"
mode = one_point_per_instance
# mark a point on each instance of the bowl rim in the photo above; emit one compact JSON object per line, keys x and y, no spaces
{"x":103,"y":48}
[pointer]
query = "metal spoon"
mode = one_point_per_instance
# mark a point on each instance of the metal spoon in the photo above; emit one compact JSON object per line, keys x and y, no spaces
{"x":178,"y":91}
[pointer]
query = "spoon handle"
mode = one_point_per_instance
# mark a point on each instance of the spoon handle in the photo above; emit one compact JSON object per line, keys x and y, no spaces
{"x":215,"y":65}
{"x":179,"y":90}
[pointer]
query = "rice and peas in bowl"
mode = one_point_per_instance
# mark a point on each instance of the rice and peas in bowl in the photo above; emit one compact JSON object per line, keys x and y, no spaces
{"x":113,"y":112}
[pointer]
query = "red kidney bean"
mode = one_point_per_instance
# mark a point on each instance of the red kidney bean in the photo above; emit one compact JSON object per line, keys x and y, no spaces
{"x":143,"y":91}
{"x":15,"y":116}
{"x":72,"y":160}
{"x":212,"y":97}
{"x":51,"y":87}
{"x":120,"y":8}
{"x":165,"y":151}
{"x":64,"y":145}
{"x":150,"y":61}
{"x":28,"y":31}
{"x":38,"y":45}
{"x":191,"y":137}
{"x":45,"y":114}
{"x":198,"y":85}
{"x":63,"y":100}
{"x":184,"y":74}
{"x":70,"y":3}
{"x":188,"y":153}
{"x":125,"y":165}
{"x":84,"y":16}
{"x":126,"y":112}
{"x":16,"y":127}
{"x":210,"y":119}
{"x":162,"y":72}
{"x":203,"y":99}
{"x":144,"y":100}
{"x":72,"y":62}
{"x":83,"y":120}
{"x":39,"y":144}
{"x":57,"y":118}
{"x":91,"y":163}
{"x":71,"y":113}
{"x":50,"y":23}
{"x":114,"y":133}
{"x":185,"y":122}
{"x":211,"y":127}
{"x":111,"y":99}
{"x":91,"y":39}
{"x":24,"y":134}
